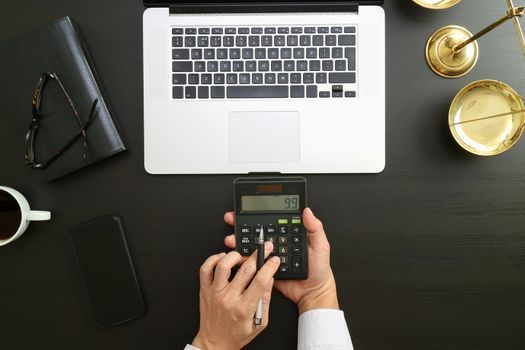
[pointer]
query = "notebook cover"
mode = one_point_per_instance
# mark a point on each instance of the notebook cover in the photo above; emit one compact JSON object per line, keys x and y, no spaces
{"x":57,"y":48}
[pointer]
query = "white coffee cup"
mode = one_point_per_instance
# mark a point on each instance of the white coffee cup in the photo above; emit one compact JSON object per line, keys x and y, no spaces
{"x":23,"y":213}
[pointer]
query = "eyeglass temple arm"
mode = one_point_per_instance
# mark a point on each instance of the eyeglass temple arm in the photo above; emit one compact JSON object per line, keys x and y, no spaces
{"x":74,"y":138}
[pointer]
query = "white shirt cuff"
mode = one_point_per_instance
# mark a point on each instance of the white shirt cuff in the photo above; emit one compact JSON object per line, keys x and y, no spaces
{"x":191,"y":347}
{"x":323,"y":329}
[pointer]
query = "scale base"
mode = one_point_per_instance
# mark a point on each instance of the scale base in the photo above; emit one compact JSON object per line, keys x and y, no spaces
{"x":442,"y":58}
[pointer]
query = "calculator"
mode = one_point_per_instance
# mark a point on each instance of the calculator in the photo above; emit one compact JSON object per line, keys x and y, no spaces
{"x":275,"y":204}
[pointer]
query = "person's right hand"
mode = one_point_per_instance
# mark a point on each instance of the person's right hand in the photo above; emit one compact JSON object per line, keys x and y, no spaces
{"x":319,"y":290}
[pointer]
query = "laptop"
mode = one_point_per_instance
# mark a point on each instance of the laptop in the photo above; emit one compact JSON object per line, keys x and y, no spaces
{"x":237,"y":87}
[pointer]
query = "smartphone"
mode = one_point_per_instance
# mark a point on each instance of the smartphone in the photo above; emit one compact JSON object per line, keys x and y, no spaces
{"x":107,"y":271}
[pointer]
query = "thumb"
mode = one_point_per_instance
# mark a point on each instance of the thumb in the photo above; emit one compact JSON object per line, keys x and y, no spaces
{"x":314,"y":226}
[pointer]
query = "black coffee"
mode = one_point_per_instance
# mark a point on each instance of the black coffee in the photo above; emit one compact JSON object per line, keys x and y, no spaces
{"x":10,"y":215}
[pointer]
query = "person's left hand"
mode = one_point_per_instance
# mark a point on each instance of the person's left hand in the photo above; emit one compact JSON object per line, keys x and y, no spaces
{"x":227,"y":309}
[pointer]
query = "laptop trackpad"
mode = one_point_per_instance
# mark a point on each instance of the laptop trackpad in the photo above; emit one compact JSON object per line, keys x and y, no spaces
{"x":264,"y":137}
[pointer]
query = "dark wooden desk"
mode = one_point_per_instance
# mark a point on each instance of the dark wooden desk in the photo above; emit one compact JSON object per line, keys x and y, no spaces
{"x":430,"y":254}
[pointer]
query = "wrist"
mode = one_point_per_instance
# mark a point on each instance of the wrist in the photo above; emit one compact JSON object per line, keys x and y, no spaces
{"x":324,"y":297}
{"x":203,"y":343}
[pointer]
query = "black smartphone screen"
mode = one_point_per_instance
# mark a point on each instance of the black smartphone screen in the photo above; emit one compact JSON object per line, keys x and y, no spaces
{"x":107,"y":271}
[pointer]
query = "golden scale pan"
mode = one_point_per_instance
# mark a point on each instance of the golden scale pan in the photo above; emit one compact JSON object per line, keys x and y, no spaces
{"x":487,"y":117}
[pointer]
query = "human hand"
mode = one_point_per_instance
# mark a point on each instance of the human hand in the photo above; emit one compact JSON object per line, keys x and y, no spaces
{"x":227,"y":309}
{"x":319,"y":290}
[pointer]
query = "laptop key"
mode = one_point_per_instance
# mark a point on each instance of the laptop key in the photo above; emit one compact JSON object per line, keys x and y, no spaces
{"x":282,"y":78}
{"x":266,"y":40}
{"x":323,"y":30}
{"x":324,"y":52}
{"x":297,"y":91}
{"x":190,"y":41}
{"x":349,"y":29}
{"x":270,"y":30}
{"x":213,"y":66}
{"x":264,"y":66}
{"x":257,"y":30}
{"x":235,"y":54}
{"x":177,"y":31}
{"x":190,"y":31}
{"x":200,"y":66}
{"x":277,"y":66}
{"x":311,"y":52}
{"x":204,"y":31}
{"x":318,"y":40}
{"x":283,"y":30}
{"x":286,"y":53}
{"x":270,"y":78}
{"x":337,"y":52}
{"x":202,"y":41}
{"x":311,"y":91}
{"x":238,"y":66}
{"x":342,"y":78}
{"x":328,"y":65}
{"x":254,"y":41}
{"x":241,"y":41}
{"x":302,"y":66}
{"x":244,"y":30}
{"x":321,"y":78}
{"x":260,"y":54}
{"x":226,"y":66}
{"x":193,"y":79}
{"x":289,"y":66}
{"x":204,"y":92}
{"x":350,"y":94}
{"x":346,"y":40}
{"x":217,"y":92}
{"x":315,"y":65}
{"x":308,"y":78}
{"x":191,"y":92}
{"x":251,"y":66}
{"x":340,"y":65}
{"x":257,"y":78}
{"x":292,"y":40}
{"x":309,"y":30}
{"x":336,"y":30}
{"x":219,"y":79}
{"x":179,"y":79}
{"x":231,"y":31}
{"x":229,"y":41}
{"x":217,"y":31}
{"x":257,"y":92}
{"x":179,"y":66}
{"x":244,"y":79}
{"x":350,"y":56}
{"x":196,"y":54}
{"x":215,"y":41}
{"x":206,"y":79}
{"x":181,"y":54}
{"x":177,"y":41}
{"x":298,"y":52}
{"x":279,"y":40}
{"x":209,"y":54}
{"x":297,"y":30}
{"x":222,"y":54}
{"x":306,"y":40}
{"x":324,"y":94}
{"x":231,"y":78}
{"x":178,"y":92}
{"x":273,"y":53}
{"x":295,"y":78}
{"x":331,"y":40}
{"x":247,"y":54}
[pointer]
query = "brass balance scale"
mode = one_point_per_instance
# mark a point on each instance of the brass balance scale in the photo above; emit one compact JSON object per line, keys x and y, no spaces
{"x":487,"y":117}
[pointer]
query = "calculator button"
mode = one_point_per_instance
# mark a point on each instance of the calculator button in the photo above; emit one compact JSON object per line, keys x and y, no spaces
{"x":283,"y":230}
{"x":296,"y":229}
{"x":270,"y":229}
{"x":284,"y":268}
{"x":246,"y":230}
{"x":283,"y":240}
{"x":246,"y":240}
{"x":245,"y":251}
{"x":296,"y":221}
{"x":284,"y":260}
{"x":296,"y":249}
{"x":296,"y":240}
{"x":283,"y":250}
{"x":296,"y":263}
{"x":258,"y":229}
{"x":270,"y":239}
{"x":282,"y":221}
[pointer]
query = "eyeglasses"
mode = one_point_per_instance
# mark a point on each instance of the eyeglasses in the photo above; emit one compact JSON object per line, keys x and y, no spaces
{"x":31,"y":136}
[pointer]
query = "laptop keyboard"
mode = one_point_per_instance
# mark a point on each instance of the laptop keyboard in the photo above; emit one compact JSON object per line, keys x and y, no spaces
{"x":264,"y":62}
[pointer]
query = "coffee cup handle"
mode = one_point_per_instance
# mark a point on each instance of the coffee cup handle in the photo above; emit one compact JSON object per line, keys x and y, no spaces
{"x":38,"y":215}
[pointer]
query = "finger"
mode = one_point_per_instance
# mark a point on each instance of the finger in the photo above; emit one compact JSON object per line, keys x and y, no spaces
{"x":229,"y":241}
{"x":223,"y":269}
{"x":266,"y":306}
{"x":206,"y":270}
{"x":229,"y":218}
{"x":314,"y":226}
{"x":261,"y":280}
{"x":246,"y":272}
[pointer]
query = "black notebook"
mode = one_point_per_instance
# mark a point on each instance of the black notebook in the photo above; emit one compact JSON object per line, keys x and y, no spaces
{"x":56,"y":48}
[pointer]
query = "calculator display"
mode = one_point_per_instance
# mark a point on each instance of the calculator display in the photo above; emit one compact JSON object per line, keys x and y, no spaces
{"x":270,"y":203}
